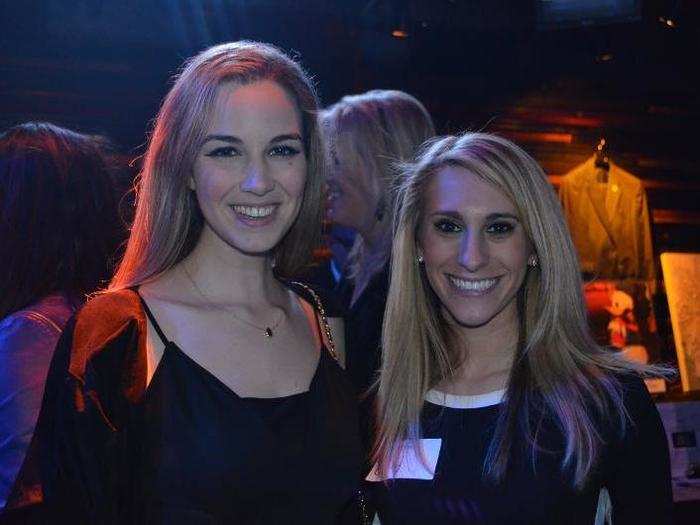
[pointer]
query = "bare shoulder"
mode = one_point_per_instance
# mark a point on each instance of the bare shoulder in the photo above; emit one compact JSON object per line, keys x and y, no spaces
{"x":166,"y":289}
{"x":327,"y":306}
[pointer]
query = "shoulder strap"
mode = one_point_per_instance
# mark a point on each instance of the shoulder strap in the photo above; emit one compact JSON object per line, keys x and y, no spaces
{"x":320,"y":317}
{"x":152,"y":318}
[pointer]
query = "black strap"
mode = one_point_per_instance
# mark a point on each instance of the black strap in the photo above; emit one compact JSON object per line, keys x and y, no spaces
{"x":317,"y":317}
{"x":301,"y":290}
{"x":152,"y":318}
{"x":321,"y":319}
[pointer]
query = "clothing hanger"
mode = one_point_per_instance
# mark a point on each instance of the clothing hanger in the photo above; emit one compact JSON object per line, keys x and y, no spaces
{"x":601,"y":160}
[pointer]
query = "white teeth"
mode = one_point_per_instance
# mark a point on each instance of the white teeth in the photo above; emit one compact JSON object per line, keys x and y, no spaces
{"x":254,"y":211}
{"x":473,"y":285}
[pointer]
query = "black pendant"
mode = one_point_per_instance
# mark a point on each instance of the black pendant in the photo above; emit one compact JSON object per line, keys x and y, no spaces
{"x":268,"y":332}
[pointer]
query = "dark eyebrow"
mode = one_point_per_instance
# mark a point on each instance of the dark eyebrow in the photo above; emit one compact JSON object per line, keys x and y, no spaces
{"x":489,"y":217}
{"x":288,"y":136}
{"x":496,"y":216}
{"x":452,"y":214}
{"x":223,"y":138}
{"x":232,"y":139}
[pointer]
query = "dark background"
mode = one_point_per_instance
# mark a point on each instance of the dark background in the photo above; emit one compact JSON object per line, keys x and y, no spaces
{"x":554,"y":86}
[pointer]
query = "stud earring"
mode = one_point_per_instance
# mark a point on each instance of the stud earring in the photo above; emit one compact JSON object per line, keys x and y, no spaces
{"x":420,"y":259}
{"x":532,"y":261}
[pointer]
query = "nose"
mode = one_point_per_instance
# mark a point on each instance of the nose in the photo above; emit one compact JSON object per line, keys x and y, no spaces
{"x":473,"y":251}
{"x":256,"y":179}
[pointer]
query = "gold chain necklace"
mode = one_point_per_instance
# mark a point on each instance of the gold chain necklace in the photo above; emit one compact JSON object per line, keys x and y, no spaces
{"x":266,"y":330}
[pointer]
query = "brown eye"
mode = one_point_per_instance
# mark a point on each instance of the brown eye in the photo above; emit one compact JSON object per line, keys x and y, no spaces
{"x":500,"y":228}
{"x":447,"y":226}
{"x":284,"y":151}
{"x":224,"y":151}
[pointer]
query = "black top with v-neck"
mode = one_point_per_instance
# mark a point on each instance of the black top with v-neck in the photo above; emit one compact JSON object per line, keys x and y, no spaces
{"x":193,"y":451}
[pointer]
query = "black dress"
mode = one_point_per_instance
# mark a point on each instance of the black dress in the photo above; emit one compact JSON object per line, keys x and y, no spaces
{"x":363,"y":328}
{"x":188,"y":449}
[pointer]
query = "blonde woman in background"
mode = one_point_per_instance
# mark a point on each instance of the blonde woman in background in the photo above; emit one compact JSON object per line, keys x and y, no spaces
{"x":366,"y":135}
{"x":202,"y":386}
{"x":495,"y":406}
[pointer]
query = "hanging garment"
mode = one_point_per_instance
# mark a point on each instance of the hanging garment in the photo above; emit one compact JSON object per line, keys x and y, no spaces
{"x":608,"y":218}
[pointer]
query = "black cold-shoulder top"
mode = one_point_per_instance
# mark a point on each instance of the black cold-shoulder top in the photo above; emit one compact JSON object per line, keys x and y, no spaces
{"x":188,"y":449}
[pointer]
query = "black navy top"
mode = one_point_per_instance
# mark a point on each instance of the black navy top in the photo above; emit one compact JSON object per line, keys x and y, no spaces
{"x":363,"y":328}
{"x":634,"y":469}
{"x":188,"y":450}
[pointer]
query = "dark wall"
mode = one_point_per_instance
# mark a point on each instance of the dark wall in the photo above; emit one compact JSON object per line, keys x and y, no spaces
{"x":103,"y":66}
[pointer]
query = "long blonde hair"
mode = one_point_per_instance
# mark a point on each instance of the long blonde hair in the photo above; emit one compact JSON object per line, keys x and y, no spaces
{"x":559,"y":371}
{"x":167,"y":221}
{"x":382,"y":127}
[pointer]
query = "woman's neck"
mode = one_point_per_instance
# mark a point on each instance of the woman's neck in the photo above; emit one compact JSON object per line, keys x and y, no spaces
{"x":225,"y":275}
{"x":484,"y":356}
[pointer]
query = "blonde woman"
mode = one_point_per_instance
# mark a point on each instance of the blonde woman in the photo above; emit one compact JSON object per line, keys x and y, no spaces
{"x":366,"y":135}
{"x":202,"y":387}
{"x":495,"y":406}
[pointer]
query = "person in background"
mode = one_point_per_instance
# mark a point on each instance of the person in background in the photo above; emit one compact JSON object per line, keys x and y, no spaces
{"x":203,"y":386}
{"x":59,"y":232}
{"x":366,"y":136}
{"x":495,"y":405}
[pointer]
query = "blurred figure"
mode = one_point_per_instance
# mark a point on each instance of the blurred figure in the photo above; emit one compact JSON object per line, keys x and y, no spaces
{"x":59,"y":231}
{"x":366,"y":136}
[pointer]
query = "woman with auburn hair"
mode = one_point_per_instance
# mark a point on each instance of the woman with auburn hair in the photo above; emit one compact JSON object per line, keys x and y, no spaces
{"x":366,"y":135}
{"x":59,"y":232}
{"x":495,"y":405}
{"x":202,"y":386}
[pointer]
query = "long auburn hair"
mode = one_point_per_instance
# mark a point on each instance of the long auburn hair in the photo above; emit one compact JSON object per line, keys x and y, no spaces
{"x":59,"y":219}
{"x":168,"y":222}
{"x":559,"y":372}
{"x":378,"y":129}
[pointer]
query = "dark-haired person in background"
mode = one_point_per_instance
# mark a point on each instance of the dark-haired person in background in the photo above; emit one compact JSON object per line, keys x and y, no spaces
{"x":59,"y":231}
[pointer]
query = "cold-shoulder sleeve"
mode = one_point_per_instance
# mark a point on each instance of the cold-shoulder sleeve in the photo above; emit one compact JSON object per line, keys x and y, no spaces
{"x":639,"y":476}
{"x":329,"y":299}
{"x":97,"y":376}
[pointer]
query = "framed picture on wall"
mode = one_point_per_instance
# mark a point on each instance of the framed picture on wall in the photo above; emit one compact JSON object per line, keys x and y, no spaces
{"x":682,"y":279}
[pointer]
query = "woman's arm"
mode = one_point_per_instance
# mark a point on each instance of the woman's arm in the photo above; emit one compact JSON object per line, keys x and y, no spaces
{"x":638,"y":474}
{"x":81,"y":452}
{"x":26,"y":347}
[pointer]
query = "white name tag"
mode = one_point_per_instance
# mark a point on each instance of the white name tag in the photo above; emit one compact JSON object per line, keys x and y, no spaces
{"x":411,"y":466}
